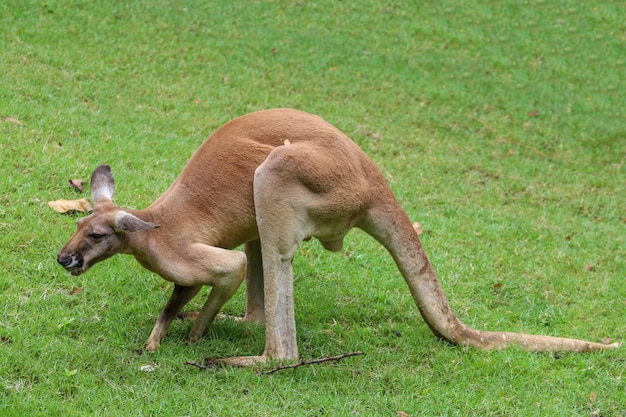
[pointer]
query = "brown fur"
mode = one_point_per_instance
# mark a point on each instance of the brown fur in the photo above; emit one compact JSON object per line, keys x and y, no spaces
{"x":269,"y":179}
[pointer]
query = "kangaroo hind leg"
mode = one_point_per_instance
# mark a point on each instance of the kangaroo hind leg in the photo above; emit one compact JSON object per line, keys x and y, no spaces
{"x":255,"y":304}
{"x":295,"y":199}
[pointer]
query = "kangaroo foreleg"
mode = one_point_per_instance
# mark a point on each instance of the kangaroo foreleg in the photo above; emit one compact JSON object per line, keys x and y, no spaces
{"x":223,"y":270}
{"x":217,"y":298}
{"x":180,"y":296}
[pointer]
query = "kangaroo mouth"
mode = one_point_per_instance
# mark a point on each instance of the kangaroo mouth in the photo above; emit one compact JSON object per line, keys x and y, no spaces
{"x":74,"y":265}
{"x":76,"y":271}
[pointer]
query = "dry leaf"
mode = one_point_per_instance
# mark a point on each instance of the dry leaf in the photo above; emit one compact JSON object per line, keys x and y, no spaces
{"x":148,"y":368}
{"x":593,"y":397}
{"x":373,"y":135}
{"x":402,"y":414}
{"x":187,"y":315}
{"x":533,"y":113}
{"x":77,"y":184}
{"x":66,"y":206}
{"x":77,"y":290}
{"x":418,"y":228}
{"x":11,"y":120}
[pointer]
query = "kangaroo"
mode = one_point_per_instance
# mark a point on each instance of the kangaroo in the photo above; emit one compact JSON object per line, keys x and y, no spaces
{"x":269,"y":180}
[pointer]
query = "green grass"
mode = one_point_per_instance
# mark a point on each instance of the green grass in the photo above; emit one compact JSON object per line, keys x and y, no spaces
{"x":499,"y":126}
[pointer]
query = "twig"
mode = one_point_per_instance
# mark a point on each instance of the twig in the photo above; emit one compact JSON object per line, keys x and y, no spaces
{"x":209,"y":364}
{"x":512,"y":142}
{"x":197,"y":365}
{"x":313,"y":362}
{"x":486,"y":126}
{"x":216,"y":363}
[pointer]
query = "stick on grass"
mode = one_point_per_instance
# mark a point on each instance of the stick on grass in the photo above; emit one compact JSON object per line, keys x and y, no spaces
{"x":313,"y":362}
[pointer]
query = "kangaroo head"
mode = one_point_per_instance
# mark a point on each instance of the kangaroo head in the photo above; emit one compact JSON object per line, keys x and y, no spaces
{"x":103,"y":233}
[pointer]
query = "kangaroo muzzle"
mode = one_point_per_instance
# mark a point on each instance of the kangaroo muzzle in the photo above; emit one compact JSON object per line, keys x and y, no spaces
{"x":71,"y":262}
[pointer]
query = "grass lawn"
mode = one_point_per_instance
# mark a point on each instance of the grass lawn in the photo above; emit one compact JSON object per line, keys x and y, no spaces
{"x":500,"y":126}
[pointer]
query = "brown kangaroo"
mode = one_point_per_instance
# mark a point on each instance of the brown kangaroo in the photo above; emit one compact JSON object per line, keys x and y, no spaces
{"x":269,"y":180}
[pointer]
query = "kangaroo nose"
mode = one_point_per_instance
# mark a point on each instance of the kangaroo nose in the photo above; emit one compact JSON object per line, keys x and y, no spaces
{"x":65,"y":260}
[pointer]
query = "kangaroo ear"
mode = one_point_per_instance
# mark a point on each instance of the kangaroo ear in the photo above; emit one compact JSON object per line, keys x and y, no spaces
{"x":126,"y":222}
{"x":102,"y":184}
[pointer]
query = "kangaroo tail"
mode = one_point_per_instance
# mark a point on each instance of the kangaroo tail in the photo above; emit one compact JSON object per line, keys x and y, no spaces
{"x":388,"y":224}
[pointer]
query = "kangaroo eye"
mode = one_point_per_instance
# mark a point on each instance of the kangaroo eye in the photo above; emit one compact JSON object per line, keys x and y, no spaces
{"x":96,"y":236}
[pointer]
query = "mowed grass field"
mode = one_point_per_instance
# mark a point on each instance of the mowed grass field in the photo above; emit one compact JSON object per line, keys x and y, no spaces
{"x":500,"y":127}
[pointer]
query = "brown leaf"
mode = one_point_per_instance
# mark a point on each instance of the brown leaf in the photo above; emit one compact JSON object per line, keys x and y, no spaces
{"x":77,"y":290}
{"x":11,"y":120}
{"x":590,"y":268}
{"x":593,"y":397}
{"x":402,"y":414}
{"x":418,"y":228}
{"x":533,"y":113}
{"x":77,"y":184}
{"x":188,"y":315}
{"x":66,"y":206}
